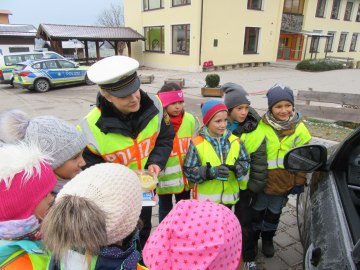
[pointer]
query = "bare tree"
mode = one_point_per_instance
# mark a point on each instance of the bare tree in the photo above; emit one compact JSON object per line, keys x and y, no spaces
{"x":113,"y":17}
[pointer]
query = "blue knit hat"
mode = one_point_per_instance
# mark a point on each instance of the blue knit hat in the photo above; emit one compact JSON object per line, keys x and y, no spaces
{"x":278,"y":93}
{"x":210,"y":108}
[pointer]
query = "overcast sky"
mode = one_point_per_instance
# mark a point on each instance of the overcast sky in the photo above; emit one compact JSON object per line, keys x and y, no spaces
{"x":81,"y":12}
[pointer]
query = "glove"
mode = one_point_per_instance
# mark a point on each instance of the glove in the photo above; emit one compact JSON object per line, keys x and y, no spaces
{"x":297,"y":189}
{"x":219,"y":172}
{"x":240,"y":169}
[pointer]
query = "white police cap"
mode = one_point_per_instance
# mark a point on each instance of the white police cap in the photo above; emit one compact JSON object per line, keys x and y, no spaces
{"x":116,"y":74}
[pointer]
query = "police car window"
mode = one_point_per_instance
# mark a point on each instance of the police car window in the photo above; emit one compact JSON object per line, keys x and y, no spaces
{"x":12,"y":60}
{"x":66,"y":64}
{"x":37,"y":66}
{"x":51,"y":65}
{"x":52,"y":56}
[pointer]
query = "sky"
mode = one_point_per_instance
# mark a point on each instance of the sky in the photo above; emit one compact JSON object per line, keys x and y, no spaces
{"x":78,"y":12}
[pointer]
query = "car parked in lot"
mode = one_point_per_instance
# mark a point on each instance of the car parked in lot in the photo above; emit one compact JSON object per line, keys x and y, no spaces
{"x":8,"y":62}
{"x":328,"y":210}
{"x":41,"y":75}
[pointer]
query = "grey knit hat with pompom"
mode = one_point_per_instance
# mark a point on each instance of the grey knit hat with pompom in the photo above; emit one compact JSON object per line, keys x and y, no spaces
{"x":55,"y":137}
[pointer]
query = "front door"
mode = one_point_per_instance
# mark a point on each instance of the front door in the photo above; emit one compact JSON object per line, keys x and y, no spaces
{"x":290,"y":47}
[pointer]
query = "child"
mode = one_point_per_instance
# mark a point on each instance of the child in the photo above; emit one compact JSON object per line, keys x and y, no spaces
{"x":243,"y":122}
{"x":193,"y":236}
{"x":172,"y":180}
{"x":284,"y":130}
{"x":94,"y":220}
{"x":216,"y":159}
{"x":62,"y":142}
{"x":26,"y":182}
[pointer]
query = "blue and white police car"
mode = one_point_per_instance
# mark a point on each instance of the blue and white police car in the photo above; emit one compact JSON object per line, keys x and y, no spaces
{"x":41,"y":75}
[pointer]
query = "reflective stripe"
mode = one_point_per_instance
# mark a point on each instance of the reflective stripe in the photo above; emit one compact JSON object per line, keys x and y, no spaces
{"x":170,"y":183}
{"x":276,"y":163}
{"x":230,"y":198}
{"x":173,"y":169}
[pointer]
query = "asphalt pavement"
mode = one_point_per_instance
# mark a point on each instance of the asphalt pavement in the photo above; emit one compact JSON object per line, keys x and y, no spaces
{"x":73,"y":103}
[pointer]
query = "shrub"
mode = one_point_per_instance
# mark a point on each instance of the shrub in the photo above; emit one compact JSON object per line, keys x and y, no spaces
{"x":212,"y":80}
{"x":318,"y":65}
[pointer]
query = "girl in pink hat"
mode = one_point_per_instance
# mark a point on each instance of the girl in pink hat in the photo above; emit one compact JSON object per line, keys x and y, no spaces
{"x":197,"y":235}
{"x":26,"y":182}
{"x":172,"y":181}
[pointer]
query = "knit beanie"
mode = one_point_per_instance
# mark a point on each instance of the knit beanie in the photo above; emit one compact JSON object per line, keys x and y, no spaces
{"x":55,"y":137}
{"x":235,"y":95}
{"x":170,"y":97}
{"x":25,"y":179}
{"x":116,"y":190}
{"x":195,"y":235}
{"x":210,"y":108}
{"x":278,"y":93}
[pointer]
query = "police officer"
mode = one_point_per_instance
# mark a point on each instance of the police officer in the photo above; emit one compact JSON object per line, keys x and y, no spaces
{"x":127,"y":126}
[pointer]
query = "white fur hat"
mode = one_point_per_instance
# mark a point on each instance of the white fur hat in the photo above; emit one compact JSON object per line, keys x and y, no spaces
{"x":116,"y":190}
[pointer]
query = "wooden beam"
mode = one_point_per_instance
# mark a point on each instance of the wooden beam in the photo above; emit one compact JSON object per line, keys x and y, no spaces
{"x":337,"y":98}
{"x":128,"y":44}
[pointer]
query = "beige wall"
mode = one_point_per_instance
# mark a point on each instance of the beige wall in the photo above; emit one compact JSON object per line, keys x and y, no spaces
{"x":225,"y":22}
{"x":326,"y":24}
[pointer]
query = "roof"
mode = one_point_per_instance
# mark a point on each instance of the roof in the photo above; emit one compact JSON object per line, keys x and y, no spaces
{"x":90,"y":33}
{"x":17,"y":30}
{"x":4,"y":11}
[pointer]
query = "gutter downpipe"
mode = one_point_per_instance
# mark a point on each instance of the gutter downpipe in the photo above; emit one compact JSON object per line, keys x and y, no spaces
{"x":201,"y":26}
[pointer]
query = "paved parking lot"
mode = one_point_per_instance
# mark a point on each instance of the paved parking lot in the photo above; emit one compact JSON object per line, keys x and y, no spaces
{"x":73,"y":103}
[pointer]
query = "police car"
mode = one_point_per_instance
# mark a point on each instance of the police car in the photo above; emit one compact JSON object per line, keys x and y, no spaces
{"x":41,"y":75}
{"x":8,"y":62}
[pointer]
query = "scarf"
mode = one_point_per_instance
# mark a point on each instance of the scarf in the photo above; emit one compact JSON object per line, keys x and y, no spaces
{"x":24,"y":229}
{"x":129,"y":258}
{"x":176,"y":121}
{"x":282,"y":128}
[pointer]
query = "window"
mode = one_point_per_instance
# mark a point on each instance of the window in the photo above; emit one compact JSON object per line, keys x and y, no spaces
{"x":342,"y":42}
{"x":353,"y":42}
{"x":254,"y":4}
{"x":180,"y":2}
{"x":251,"y":40}
{"x":181,"y":39}
{"x":66,"y":64}
{"x":314,"y":45}
{"x":294,"y":6}
{"x":154,"y":39}
{"x":335,"y":9}
{"x":18,"y":49}
{"x":152,"y":4}
{"x":329,"y":42}
{"x":348,"y":10}
{"x":320,"y":9}
{"x":51,"y":64}
{"x":358,"y":14}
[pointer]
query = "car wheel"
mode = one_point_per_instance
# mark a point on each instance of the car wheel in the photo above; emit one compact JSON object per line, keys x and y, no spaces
{"x":88,"y":81}
{"x":300,"y":213}
{"x":42,"y":85}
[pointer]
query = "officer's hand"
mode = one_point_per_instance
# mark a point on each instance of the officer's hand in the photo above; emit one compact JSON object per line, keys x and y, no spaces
{"x":154,"y":169}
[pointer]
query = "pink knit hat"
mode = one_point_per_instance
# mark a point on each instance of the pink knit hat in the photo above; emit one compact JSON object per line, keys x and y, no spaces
{"x":25,"y":179}
{"x":168,"y":98}
{"x":195,"y":235}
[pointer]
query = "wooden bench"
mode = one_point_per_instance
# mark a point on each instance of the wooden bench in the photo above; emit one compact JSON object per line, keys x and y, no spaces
{"x":340,"y":107}
{"x":179,"y":81}
{"x":146,"y":78}
{"x":346,"y":61}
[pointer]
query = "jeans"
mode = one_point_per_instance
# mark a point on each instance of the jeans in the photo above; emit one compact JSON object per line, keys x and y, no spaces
{"x":268,"y":209}
{"x":166,"y":202}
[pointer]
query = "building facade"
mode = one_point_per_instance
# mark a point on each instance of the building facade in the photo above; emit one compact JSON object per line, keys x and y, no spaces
{"x":188,"y":34}
{"x":320,"y":28}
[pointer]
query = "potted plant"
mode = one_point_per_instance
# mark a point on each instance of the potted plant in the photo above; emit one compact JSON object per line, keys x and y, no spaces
{"x":212,"y":87}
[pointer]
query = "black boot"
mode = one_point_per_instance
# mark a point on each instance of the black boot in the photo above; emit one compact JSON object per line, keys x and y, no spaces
{"x":256,"y":239}
{"x":267,"y":243}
